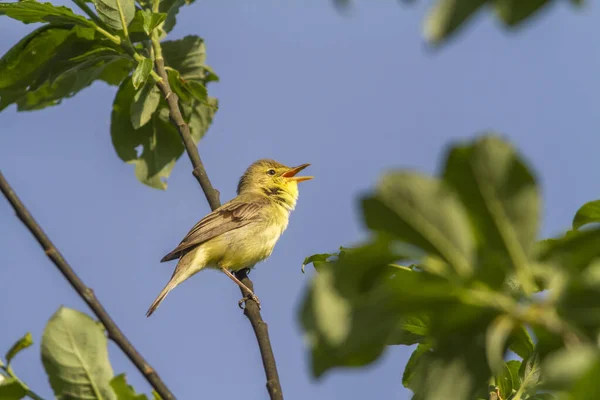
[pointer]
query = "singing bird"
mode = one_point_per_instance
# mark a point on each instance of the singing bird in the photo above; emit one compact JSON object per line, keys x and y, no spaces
{"x":243,"y":231}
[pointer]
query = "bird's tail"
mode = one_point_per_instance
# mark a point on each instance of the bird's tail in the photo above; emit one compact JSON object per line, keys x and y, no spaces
{"x":170,"y":286}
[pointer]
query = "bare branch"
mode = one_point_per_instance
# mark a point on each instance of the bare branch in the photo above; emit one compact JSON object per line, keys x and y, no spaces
{"x":114,"y":333}
{"x":212,"y":195}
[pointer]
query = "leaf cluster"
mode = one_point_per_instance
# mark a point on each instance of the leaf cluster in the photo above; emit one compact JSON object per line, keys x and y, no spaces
{"x":493,"y":310}
{"x":118,"y":45}
{"x":75,"y":356}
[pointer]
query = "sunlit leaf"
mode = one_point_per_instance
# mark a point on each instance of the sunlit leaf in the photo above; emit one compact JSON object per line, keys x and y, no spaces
{"x":141,"y":72}
{"x":31,"y":11}
{"x":416,"y":356}
{"x":111,"y":12}
{"x":75,"y":356}
{"x":588,"y":213}
{"x":30,"y":54}
{"x":497,"y":341}
{"x":23,"y":343}
{"x":151,"y":20}
{"x":123,"y":390}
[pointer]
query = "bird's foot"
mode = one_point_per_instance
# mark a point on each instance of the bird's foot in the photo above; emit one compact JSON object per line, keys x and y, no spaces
{"x":252,"y":296}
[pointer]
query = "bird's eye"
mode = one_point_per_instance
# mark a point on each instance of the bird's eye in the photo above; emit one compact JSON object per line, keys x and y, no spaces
{"x":271,"y":172}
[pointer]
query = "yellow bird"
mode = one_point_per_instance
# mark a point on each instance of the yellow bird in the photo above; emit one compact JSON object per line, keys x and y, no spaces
{"x":243,"y":231}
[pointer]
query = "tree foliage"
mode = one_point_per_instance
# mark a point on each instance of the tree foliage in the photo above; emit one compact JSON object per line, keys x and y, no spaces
{"x":454,"y":266}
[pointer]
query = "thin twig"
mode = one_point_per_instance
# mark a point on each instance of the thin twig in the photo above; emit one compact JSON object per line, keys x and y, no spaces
{"x":212,"y":196}
{"x":114,"y":333}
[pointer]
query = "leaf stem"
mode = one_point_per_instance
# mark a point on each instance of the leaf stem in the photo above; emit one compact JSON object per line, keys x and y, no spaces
{"x":90,"y":13}
{"x":123,"y":22}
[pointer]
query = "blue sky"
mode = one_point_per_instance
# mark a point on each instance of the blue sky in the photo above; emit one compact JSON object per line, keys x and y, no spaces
{"x":352,"y":94}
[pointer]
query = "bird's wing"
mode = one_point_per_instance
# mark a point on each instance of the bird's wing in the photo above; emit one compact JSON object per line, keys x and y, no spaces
{"x":228,"y":217}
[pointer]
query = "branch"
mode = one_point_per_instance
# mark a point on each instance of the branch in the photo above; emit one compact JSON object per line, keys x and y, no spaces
{"x":86,"y":293}
{"x":212,"y":196}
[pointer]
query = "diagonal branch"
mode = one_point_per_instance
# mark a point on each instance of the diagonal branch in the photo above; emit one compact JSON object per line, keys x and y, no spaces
{"x":86,"y":293}
{"x":212,"y":195}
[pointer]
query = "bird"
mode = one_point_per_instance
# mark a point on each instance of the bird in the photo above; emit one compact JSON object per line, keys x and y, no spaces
{"x":241,"y":232}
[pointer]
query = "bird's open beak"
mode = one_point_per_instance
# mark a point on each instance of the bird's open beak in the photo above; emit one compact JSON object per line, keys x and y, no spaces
{"x":291,"y":174}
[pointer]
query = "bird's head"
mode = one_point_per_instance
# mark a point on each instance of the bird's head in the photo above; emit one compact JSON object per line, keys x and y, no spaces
{"x":273,"y":179}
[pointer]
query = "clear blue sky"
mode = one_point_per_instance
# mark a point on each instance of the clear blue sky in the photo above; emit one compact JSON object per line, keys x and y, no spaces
{"x":353,"y":95}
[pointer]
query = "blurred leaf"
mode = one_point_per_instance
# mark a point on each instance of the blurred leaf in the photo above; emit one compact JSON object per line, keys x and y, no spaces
{"x":446,"y":16}
{"x":108,"y":11}
{"x":171,"y":8}
{"x":512,"y":12}
{"x":587,"y":214}
{"x":151,"y":20}
{"x":145,"y":102}
{"x":502,"y":198}
{"x":421,"y":211}
{"x":75,"y":356}
{"x":23,"y":343}
{"x":563,"y":368}
{"x":158,"y":139}
{"x":11,"y":389}
{"x":496,"y":341}
{"x":588,"y":386}
{"x":30,"y":54}
{"x":123,"y":390}
{"x":141,"y":72}
{"x":29,"y":11}
{"x":409,"y":371}
{"x":155,"y":395}
{"x":352,"y":308}
{"x":575,"y":251}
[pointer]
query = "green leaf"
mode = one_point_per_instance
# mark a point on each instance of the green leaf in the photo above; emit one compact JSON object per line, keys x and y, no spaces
{"x":421,"y":211}
{"x":188,"y":56}
{"x":23,"y":343}
{"x":588,"y":386}
{"x":171,"y":7}
{"x":75,"y":356}
{"x":411,"y":330}
{"x":529,"y":372}
{"x":145,"y":103}
{"x":199,"y":116}
{"x":520,"y":342}
{"x":29,"y":11}
{"x":562,"y":369}
{"x":110,"y":12}
{"x":504,"y":381}
{"x":11,"y":389}
{"x":411,"y":366}
{"x":503,"y":201}
{"x":513,"y":12}
{"x":155,"y":395}
{"x":26,"y":58}
{"x":575,"y":251}
{"x":123,"y":390}
{"x":351,"y":310}
{"x":446,"y":16}
{"x":159,"y":140}
{"x":513,"y":367}
{"x":141,"y":73}
{"x":588,"y":213}
{"x":151,"y":20}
